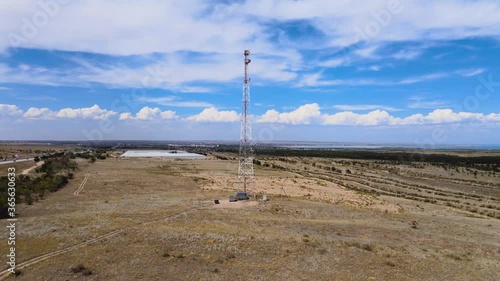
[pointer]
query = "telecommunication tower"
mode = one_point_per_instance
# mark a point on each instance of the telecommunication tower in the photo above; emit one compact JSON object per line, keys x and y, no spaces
{"x":245,"y":170}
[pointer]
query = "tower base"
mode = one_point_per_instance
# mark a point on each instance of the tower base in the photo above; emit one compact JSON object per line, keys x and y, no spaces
{"x":241,"y":196}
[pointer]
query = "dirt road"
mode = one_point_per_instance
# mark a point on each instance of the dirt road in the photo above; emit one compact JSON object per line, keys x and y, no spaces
{"x":82,"y":185}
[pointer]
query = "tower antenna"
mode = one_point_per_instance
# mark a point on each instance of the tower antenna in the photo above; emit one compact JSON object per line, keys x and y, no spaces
{"x":245,"y":169}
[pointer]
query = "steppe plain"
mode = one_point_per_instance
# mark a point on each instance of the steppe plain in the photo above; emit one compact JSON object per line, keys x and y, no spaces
{"x":155,"y":219}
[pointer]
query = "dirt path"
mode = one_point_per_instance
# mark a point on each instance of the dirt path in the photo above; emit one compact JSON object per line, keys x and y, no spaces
{"x":26,"y":171}
{"x":82,"y":185}
{"x":6,"y":273}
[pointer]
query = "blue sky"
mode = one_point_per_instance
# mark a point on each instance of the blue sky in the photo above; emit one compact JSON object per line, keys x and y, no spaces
{"x":418,"y":72}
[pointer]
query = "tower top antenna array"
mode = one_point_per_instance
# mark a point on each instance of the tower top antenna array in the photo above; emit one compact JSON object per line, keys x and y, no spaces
{"x":245,"y":169}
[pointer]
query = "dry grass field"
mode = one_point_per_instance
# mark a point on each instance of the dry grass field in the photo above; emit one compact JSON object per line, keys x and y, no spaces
{"x":29,"y":150}
{"x":375,"y":222}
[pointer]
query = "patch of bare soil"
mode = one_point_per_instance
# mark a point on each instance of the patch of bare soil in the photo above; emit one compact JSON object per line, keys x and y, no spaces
{"x":297,"y":186}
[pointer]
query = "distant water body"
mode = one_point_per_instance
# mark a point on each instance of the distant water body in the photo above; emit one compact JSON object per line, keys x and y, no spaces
{"x":450,"y":147}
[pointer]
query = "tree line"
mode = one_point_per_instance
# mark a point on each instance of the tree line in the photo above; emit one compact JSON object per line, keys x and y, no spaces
{"x":53,"y":175}
{"x":484,"y":163}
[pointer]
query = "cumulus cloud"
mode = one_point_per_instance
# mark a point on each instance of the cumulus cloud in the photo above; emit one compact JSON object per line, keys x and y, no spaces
{"x":126,"y":116}
{"x":10,"y":109}
{"x":494,"y":117}
{"x":311,"y":113}
{"x":376,"y":117}
{"x":212,"y":114}
{"x":39,"y":113}
{"x":302,"y":115}
{"x":448,"y":116}
{"x":380,"y":117}
{"x":148,"y":113}
{"x":94,"y":112}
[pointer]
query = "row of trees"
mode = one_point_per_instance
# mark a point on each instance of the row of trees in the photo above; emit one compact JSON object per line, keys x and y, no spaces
{"x":483,"y":163}
{"x":100,"y":154}
{"x":53,"y":175}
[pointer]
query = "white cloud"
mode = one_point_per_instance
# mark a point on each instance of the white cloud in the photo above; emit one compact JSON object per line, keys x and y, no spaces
{"x":163,"y":30}
{"x":410,"y":120}
{"x":310,"y":113}
{"x":169,"y":114}
{"x":94,"y":112}
{"x":176,"y":72}
{"x":470,"y":72}
{"x":428,"y":104}
{"x":32,"y":76}
{"x":4,"y":89}
{"x":305,"y":114}
{"x":413,"y":21}
{"x":309,"y":80}
{"x":371,"y":68}
{"x":333,"y":62}
{"x":209,"y":55}
{"x":424,"y":102}
{"x":494,"y":117}
{"x":376,"y":117}
{"x":148,"y":113}
{"x":175,"y":102}
{"x":10,"y":109}
{"x":367,"y":51}
{"x":364,"y":107}
{"x":302,"y":115}
{"x":126,"y":116}
{"x":318,"y":80}
{"x":186,"y":36}
{"x":36,"y":98}
{"x":423,"y":78}
{"x":407,"y":54}
{"x":213,"y":115}
{"x":39,"y":113}
{"x":380,"y":118}
{"x":167,"y":24}
{"x":448,"y":116}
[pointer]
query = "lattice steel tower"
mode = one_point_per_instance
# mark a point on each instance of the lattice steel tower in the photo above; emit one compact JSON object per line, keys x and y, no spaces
{"x":245,"y":170}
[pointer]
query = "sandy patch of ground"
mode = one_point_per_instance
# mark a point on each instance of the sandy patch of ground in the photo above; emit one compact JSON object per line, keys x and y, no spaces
{"x":313,"y":189}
